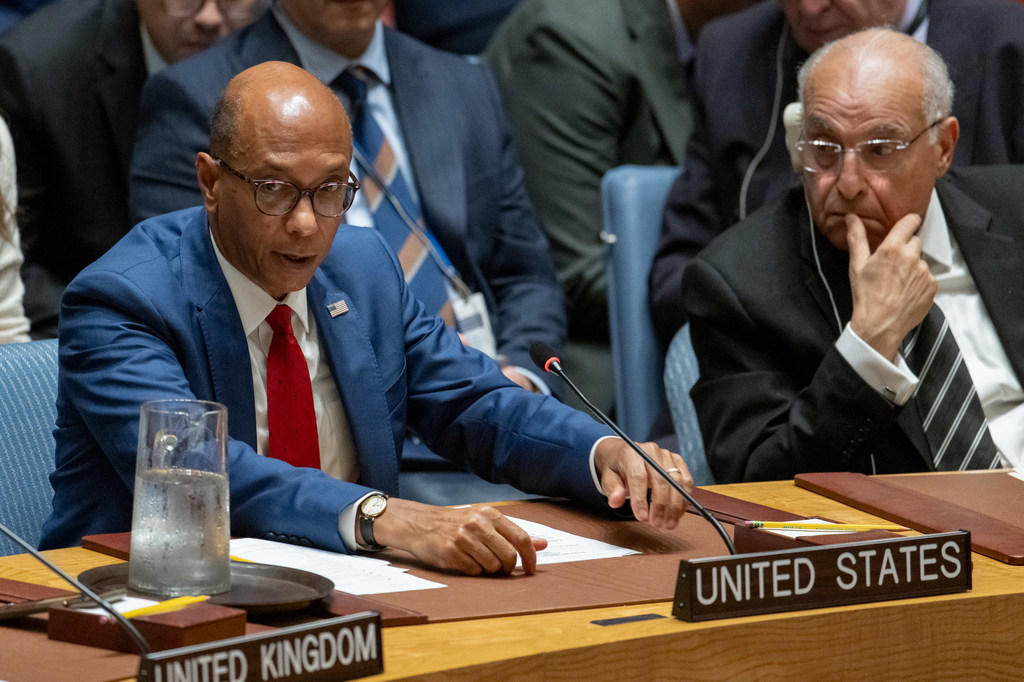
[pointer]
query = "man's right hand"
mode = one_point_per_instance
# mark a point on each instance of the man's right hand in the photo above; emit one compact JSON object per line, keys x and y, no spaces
{"x":472,"y":540}
{"x":892,"y":287}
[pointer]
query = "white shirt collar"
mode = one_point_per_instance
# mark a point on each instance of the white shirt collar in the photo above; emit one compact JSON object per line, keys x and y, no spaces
{"x":934,"y":234}
{"x":252,"y":302}
{"x":154,"y":62}
{"x":326,"y":64}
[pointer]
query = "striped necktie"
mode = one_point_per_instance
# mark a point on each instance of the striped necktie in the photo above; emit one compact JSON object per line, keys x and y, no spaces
{"x":951,"y":414}
{"x":388,"y":196}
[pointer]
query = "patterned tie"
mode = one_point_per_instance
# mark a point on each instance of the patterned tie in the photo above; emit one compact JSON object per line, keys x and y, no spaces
{"x":293,"y":435}
{"x":421,"y":271}
{"x":953,"y":421}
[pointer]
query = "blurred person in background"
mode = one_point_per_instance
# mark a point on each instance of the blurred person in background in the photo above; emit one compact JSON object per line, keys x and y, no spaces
{"x":70,"y":79}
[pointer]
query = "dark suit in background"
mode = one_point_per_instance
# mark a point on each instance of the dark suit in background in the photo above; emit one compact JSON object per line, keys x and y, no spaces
{"x":460,"y":151}
{"x":462,"y":26}
{"x":775,"y":398}
{"x":982,"y":42}
{"x":588,"y":85}
{"x":70,"y":78}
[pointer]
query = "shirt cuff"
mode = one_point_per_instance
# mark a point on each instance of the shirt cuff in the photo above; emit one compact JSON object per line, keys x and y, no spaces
{"x":895,"y":382}
{"x":347,"y":523}
{"x":535,"y":378}
{"x":593,"y":467}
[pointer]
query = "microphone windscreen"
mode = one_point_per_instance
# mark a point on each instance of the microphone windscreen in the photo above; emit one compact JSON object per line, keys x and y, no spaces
{"x":540,"y":353}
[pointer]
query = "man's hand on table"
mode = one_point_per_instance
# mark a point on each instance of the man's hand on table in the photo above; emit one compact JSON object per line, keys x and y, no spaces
{"x":623,"y":473}
{"x":472,"y":540}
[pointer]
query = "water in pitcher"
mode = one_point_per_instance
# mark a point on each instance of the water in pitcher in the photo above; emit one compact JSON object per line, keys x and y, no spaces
{"x":175,"y":512}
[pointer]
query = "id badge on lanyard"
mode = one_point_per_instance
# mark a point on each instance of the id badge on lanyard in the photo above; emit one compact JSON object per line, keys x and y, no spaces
{"x":474,"y":323}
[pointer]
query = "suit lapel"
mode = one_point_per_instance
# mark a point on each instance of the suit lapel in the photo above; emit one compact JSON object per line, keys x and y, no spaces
{"x":653,"y":42}
{"x":349,"y":350}
{"x":122,"y":59}
{"x":995,"y":256}
{"x":825,"y":273}
{"x":221,"y":329}
{"x":430,"y":137}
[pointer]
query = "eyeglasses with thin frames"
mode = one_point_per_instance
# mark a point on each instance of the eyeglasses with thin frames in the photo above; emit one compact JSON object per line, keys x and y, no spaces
{"x":232,"y":9}
{"x":876,"y":156}
{"x":277,"y":197}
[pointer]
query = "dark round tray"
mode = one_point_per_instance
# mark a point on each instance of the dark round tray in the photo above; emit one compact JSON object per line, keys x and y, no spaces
{"x":257,"y":588}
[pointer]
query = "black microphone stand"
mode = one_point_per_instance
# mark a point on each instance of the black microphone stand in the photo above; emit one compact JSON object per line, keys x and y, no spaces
{"x":551,"y":364}
{"x":140,"y":642}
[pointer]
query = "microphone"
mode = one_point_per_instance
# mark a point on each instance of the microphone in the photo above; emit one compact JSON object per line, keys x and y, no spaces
{"x":544,"y":357}
{"x":140,"y":642}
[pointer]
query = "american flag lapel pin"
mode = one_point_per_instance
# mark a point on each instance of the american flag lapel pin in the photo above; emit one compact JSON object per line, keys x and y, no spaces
{"x":338,"y":308}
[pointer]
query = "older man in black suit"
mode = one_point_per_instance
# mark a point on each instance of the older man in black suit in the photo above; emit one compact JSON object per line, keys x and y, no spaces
{"x":736,"y":159}
{"x":871,"y":321}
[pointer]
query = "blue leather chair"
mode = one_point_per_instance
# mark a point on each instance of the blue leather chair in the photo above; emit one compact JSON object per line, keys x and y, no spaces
{"x":681,"y":374}
{"x":632,"y":199}
{"x":28,"y":392}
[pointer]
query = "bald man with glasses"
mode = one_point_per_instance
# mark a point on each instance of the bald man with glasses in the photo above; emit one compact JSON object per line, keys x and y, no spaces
{"x":307,"y":331}
{"x":871,"y":320}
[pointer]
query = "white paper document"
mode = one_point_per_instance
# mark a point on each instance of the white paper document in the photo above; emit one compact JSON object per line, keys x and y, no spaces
{"x":564,"y":546}
{"x":350,"y":573}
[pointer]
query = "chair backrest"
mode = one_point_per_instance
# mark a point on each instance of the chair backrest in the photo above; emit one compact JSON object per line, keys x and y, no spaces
{"x":681,"y":374}
{"x":632,"y":199}
{"x":28,"y":393}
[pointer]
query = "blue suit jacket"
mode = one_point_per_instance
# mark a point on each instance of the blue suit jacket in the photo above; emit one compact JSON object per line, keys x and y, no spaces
{"x":465,"y":169}
{"x":154,"y":318}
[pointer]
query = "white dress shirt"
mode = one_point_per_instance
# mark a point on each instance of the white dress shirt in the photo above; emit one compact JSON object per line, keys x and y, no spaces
{"x":999,"y":390}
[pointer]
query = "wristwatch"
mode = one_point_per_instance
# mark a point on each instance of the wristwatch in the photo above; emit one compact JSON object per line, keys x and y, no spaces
{"x":369,"y":509}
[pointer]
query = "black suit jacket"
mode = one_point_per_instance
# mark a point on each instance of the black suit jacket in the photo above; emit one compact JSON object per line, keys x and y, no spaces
{"x":775,"y":398}
{"x":70,"y":78}
{"x":982,"y":42}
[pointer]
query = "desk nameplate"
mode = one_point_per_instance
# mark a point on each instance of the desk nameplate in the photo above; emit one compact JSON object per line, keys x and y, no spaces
{"x":831,"y":575}
{"x":340,"y":648}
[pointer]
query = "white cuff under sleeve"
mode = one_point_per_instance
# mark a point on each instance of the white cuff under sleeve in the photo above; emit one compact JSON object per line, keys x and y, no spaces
{"x":895,"y":382}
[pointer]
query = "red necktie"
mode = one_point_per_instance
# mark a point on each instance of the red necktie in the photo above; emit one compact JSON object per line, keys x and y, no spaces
{"x":292,"y":420}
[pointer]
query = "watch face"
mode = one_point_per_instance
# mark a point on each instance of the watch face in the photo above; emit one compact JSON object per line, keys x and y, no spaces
{"x":374,"y":505}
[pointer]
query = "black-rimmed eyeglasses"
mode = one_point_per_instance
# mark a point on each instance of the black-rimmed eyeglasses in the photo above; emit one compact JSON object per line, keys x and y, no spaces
{"x":877,"y":156}
{"x":278,"y":197}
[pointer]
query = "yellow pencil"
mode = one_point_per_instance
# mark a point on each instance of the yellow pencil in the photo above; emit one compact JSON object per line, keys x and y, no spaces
{"x":797,"y":525}
{"x":167,"y":606}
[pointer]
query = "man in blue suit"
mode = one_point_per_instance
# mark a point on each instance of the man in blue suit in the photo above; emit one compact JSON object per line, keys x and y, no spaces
{"x":181,"y":308}
{"x":443,"y":117}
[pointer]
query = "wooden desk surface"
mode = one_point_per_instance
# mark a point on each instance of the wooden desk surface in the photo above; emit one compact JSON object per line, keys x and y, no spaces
{"x":978,"y":634}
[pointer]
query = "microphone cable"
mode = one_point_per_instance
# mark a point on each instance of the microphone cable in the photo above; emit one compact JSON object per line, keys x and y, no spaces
{"x":544,"y":357}
{"x":140,"y":642}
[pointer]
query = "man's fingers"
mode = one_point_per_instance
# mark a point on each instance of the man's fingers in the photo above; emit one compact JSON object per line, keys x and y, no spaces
{"x":857,"y":241}
{"x":904,"y":229}
{"x":494,"y":542}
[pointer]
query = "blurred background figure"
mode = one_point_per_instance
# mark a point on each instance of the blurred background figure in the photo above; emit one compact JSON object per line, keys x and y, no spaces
{"x":463,"y":26}
{"x":70,"y":79}
{"x":589,"y":85}
{"x":12,"y":11}
{"x":13,"y":324}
